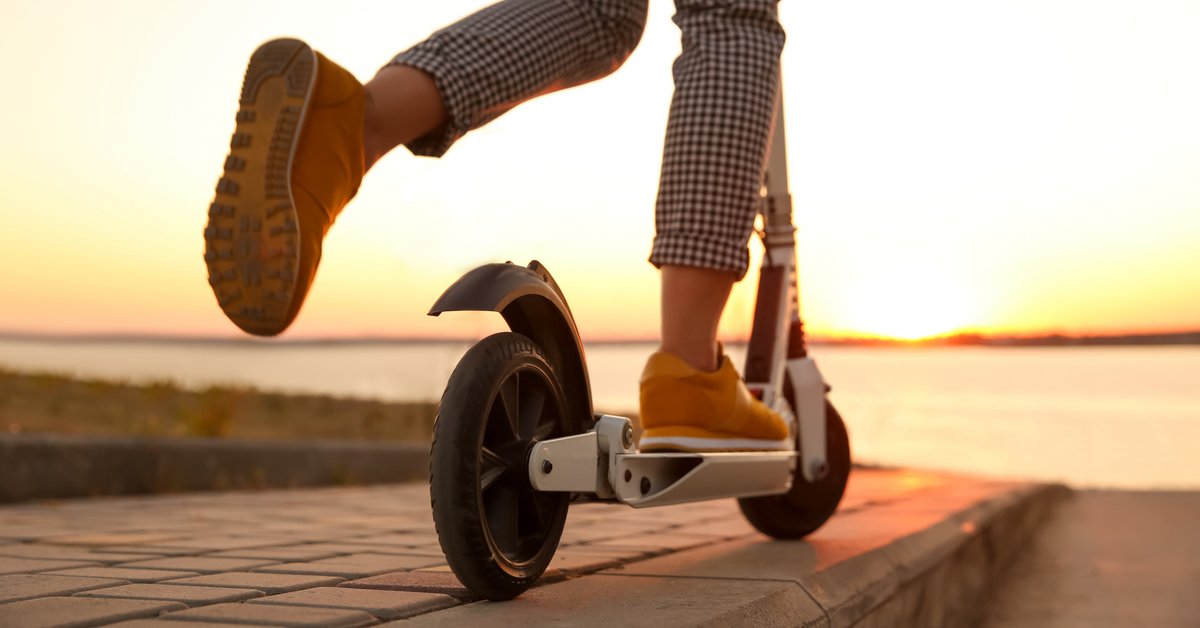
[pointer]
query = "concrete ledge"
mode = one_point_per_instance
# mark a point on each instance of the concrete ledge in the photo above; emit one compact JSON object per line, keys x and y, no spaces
{"x":56,"y":466}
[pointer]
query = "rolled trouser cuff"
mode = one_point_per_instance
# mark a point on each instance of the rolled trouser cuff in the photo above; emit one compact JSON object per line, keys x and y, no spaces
{"x":701,"y":251}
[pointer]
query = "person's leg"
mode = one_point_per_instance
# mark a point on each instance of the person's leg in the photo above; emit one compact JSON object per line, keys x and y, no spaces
{"x":403,"y":103}
{"x":726,"y":82}
{"x":513,"y":51}
{"x":307,"y":131}
{"x":692,"y":301}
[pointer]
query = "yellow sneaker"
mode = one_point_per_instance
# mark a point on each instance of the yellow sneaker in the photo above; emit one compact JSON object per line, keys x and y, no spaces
{"x":295,"y":160}
{"x":684,"y":409}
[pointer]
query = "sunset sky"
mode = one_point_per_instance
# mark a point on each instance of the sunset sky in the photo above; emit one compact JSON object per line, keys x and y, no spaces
{"x":1028,"y":166}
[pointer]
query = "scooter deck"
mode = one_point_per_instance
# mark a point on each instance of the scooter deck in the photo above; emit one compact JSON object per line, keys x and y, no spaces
{"x":603,"y":462}
{"x":659,"y":478}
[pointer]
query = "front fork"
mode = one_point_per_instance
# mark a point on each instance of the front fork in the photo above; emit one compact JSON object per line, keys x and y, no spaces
{"x":777,"y":357}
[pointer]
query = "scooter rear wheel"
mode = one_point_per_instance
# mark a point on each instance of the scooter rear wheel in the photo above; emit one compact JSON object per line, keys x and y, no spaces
{"x":497,"y":532}
{"x":808,"y":505}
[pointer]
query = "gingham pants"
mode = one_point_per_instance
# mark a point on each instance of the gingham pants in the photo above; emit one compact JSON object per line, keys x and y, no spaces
{"x":721,"y":115}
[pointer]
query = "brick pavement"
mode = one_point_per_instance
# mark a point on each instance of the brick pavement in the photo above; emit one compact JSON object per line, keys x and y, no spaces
{"x":358,"y":556}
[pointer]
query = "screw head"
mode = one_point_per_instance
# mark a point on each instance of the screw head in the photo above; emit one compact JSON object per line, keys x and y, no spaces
{"x":645,"y":485}
{"x":819,"y":470}
{"x":547,"y":466}
{"x":627,"y":437}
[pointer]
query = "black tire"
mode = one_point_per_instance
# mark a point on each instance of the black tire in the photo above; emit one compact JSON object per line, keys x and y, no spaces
{"x":808,"y":505}
{"x":498,"y":534}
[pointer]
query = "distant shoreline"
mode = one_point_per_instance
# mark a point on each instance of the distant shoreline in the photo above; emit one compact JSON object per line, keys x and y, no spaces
{"x":956,"y":340}
{"x":1051,"y":340}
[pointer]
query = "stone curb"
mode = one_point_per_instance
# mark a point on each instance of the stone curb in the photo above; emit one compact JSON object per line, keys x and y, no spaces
{"x":942,"y":575}
{"x":37,"y":466}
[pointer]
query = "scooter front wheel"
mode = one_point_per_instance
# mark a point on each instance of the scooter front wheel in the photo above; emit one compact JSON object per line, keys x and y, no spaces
{"x":497,"y":532}
{"x":808,"y":505}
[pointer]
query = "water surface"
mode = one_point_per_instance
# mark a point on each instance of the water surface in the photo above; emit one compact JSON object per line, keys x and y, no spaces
{"x":1090,"y":416}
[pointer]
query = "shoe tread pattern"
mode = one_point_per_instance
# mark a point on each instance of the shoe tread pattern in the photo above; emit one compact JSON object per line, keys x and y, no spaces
{"x":251,"y":239}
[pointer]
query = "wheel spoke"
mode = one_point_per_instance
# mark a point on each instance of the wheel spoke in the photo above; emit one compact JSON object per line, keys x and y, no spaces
{"x":544,"y":429}
{"x":510,"y":398}
{"x":492,"y":466}
{"x":533,"y":406}
{"x":501,"y":508}
{"x":535,"y":517}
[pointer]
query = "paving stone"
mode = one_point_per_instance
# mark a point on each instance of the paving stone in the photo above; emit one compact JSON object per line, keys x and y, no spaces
{"x":290,"y":553}
{"x":33,"y":533}
{"x":350,"y":548}
{"x":355,"y":565}
{"x":420,"y":581}
{"x":404,"y":540}
{"x":567,"y":563}
{"x":65,"y":552}
{"x":11,"y":564}
{"x":62,"y":612}
{"x":111,"y":538}
{"x":659,"y":542}
{"x":166,"y":623}
{"x":275,"y":615}
{"x":218,"y":543}
{"x":124,"y":573}
{"x":146,"y":552}
{"x":638,"y":601}
{"x":593,"y":533}
{"x":382,"y":604}
{"x":200,"y":564}
{"x":189,"y":595}
{"x":266,"y":582}
{"x":17,"y":587}
{"x":723,"y":529}
{"x":606,"y":550}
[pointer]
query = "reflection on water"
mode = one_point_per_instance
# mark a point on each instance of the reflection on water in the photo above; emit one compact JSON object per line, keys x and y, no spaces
{"x":1089,"y":416}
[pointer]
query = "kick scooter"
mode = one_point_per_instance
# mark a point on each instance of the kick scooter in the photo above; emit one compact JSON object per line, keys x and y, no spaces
{"x":516,"y":441}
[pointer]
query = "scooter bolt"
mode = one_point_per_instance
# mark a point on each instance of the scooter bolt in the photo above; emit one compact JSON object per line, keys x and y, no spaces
{"x":819,"y":470}
{"x":547,"y":466}
{"x":627,"y":437}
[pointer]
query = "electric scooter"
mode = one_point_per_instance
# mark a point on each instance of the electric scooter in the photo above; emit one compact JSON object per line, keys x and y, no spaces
{"x":516,"y":441}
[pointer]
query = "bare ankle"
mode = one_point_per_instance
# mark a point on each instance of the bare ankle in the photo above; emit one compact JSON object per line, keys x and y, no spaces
{"x":403,"y":104}
{"x":696,"y":355}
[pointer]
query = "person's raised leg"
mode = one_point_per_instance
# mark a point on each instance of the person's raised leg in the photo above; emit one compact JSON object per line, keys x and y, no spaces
{"x":307,"y":131}
{"x":403,"y":104}
{"x":726,"y":81}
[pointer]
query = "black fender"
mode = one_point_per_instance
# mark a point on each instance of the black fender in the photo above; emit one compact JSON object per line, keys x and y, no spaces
{"x":533,"y":305}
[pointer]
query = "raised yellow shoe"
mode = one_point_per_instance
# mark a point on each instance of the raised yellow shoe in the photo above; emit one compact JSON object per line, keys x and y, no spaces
{"x":685,"y":409}
{"x":295,"y":160}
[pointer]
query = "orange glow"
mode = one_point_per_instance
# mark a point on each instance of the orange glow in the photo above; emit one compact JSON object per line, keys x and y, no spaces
{"x":1049,"y":187}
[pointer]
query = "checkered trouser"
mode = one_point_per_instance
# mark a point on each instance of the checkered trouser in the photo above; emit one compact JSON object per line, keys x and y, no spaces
{"x":721,"y":115}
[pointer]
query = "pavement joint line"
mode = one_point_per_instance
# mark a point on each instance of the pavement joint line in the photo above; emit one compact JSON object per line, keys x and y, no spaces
{"x":687,"y":577}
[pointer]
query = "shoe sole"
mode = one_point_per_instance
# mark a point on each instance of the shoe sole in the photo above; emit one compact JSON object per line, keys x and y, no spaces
{"x":251,"y":241}
{"x":695,"y":444}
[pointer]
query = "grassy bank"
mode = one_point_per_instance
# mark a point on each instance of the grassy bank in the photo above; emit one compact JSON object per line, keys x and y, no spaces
{"x":40,"y":402}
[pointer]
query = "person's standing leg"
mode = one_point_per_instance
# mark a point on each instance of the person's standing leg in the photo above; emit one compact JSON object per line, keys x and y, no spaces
{"x":726,"y":82}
